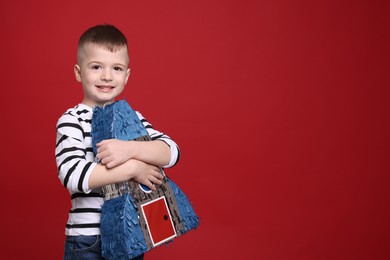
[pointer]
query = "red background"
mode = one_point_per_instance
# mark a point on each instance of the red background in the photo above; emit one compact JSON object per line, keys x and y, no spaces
{"x":279,"y":108}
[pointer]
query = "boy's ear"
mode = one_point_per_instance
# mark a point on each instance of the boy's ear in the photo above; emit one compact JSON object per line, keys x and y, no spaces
{"x":128,"y":75}
{"x":77,"y":72}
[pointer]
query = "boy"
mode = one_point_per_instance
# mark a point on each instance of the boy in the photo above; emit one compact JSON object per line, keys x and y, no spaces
{"x":102,"y":69}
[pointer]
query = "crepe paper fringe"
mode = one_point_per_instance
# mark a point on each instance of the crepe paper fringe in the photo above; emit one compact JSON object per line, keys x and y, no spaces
{"x":187,"y":214}
{"x":124,"y":123}
{"x":121,"y":233}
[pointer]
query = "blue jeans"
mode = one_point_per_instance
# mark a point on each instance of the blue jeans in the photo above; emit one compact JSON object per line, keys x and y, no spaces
{"x":85,"y":247}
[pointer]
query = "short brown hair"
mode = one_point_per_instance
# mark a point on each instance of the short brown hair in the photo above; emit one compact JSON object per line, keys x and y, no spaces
{"x":105,"y":35}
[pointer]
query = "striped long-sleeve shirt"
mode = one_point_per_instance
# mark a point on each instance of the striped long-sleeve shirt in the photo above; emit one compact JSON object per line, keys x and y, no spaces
{"x":76,"y":161}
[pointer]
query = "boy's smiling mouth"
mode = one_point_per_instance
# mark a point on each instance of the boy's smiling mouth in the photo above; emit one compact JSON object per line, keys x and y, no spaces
{"x":105,"y":88}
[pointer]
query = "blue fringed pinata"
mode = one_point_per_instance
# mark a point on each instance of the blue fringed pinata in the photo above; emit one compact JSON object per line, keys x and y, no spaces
{"x":135,"y":219}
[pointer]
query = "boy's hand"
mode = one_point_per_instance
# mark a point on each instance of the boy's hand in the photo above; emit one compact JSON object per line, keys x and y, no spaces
{"x":146,"y":174}
{"x":113,"y":152}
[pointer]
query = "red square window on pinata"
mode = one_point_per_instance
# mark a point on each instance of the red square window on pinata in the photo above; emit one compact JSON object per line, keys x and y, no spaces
{"x":158,"y":220}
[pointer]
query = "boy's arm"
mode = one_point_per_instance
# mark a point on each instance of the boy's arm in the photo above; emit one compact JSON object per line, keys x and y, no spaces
{"x":115,"y":152}
{"x":140,"y":171}
{"x":162,"y":151}
{"x":78,"y":172}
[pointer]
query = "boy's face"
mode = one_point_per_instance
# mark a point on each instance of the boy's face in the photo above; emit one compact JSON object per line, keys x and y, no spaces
{"x":103,"y":74}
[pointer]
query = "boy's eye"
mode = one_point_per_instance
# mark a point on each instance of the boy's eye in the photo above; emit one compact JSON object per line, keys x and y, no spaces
{"x":95,"y":67}
{"x":118,"y":68}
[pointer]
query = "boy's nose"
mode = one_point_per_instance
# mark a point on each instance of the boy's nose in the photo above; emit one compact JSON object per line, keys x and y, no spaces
{"x":106,"y":75}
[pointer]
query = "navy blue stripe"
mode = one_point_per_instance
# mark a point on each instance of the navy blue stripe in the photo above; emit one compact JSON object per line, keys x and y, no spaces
{"x":71,"y":149}
{"x":85,"y":210}
{"x":69,"y":173}
{"x":77,"y":126}
{"x":86,"y":195}
{"x":92,"y":225}
{"x":82,"y":176}
{"x":84,"y":111}
{"x":69,"y":159}
{"x":64,"y":137}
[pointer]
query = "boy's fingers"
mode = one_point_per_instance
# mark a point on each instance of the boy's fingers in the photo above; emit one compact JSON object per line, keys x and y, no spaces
{"x":158,"y":172}
{"x":103,"y":142}
{"x":151,"y":186}
{"x":156,"y":181}
{"x":158,"y":175}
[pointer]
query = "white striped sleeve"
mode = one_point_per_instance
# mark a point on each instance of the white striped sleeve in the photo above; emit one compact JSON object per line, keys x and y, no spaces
{"x":73,"y":167}
{"x":156,"y":135}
